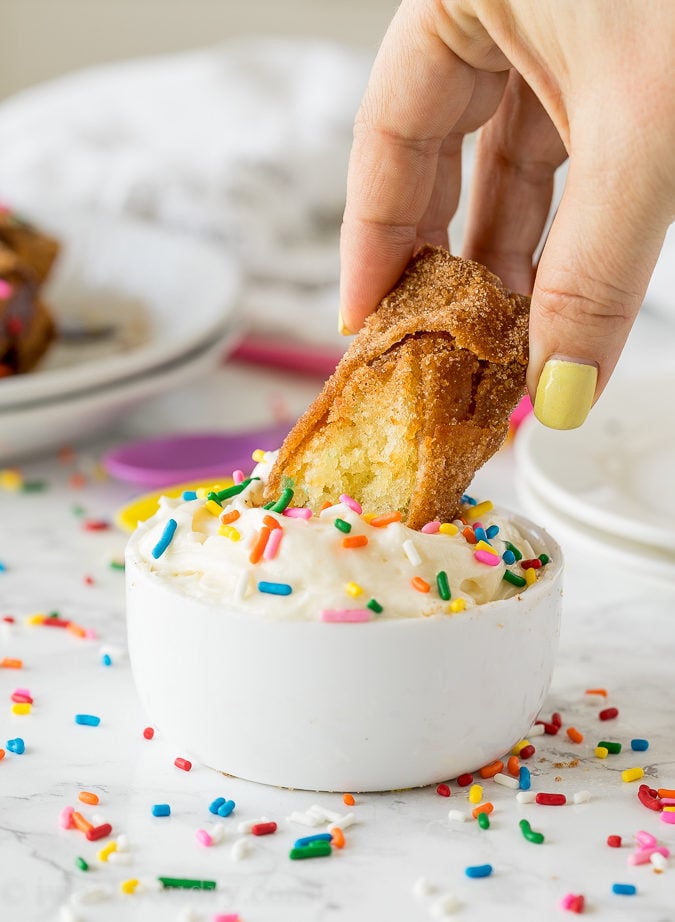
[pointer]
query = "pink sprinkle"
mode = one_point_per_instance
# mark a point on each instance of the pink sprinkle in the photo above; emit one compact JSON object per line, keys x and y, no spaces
{"x":645,"y":839}
{"x":430,"y":528}
{"x":492,"y":560}
{"x":5,"y":289}
{"x":203,"y":837}
{"x":668,"y":817}
{"x":238,"y":476}
{"x":66,"y":818}
{"x":642,"y":855}
{"x":348,"y":501}
{"x":567,"y":900}
{"x":298,"y":512}
{"x":226,"y":917}
{"x":345,"y":615}
{"x":22,"y":691}
{"x":668,"y":801}
{"x":90,"y":633}
{"x":273,"y":543}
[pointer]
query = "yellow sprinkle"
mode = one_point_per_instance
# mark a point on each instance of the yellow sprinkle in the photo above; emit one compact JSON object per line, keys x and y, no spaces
{"x":34,"y":620}
{"x":632,"y":774}
{"x":521,"y":745}
{"x":457,"y":605}
{"x":129,"y":886}
{"x":484,"y":546}
{"x":102,"y":854}
{"x":229,"y":531}
{"x":21,"y":707}
{"x":601,"y":752}
{"x":668,"y":808}
{"x":353,"y":589}
{"x":473,"y":512}
{"x":368,"y":516}
{"x":447,"y":528}
{"x":202,"y":492}
{"x":476,"y":793}
{"x":10,"y":479}
{"x":213,"y":507}
{"x":530,"y":576}
{"x":258,"y":455}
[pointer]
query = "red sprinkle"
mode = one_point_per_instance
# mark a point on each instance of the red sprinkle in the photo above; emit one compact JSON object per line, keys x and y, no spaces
{"x":614,"y":841}
{"x":533,"y":564}
{"x":98,"y":832}
{"x":577,"y":904}
{"x":443,"y":790}
{"x":263,"y":829}
{"x":551,"y":800}
{"x":184,"y":764}
{"x":556,"y":719}
{"x":465,"y":780}
{"x":649,"y":798}
{"x":95,"y":525}
{"x":550,"y":729}
{"x":527,"y":751}
{"x":9,"y":619}
{"x":55,"y":622}
{"x":148,"y":733}
{"x":609,"y":714}
{"x":89,"y":581}
{"x":20,"y":698}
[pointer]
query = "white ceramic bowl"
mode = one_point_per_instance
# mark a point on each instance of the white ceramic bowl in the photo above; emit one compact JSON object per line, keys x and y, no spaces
{"x":382,"y":705}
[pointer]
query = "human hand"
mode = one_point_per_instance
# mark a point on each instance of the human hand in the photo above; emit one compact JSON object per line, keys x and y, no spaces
{"x":547,"y":79}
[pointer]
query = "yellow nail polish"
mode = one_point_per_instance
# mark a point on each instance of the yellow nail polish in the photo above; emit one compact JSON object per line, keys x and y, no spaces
{"x":342,"y":329}
{"x":565,"y":393}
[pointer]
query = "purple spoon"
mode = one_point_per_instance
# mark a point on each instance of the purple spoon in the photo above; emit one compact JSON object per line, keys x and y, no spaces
{"x":166,"y":460}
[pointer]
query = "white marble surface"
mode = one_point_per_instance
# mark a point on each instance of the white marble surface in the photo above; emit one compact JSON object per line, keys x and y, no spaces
{"x":618,"y":633}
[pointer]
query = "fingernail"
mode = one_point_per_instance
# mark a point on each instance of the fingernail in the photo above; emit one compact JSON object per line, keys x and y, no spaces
{"x":565,"y":393}
{"x":342,"y":329}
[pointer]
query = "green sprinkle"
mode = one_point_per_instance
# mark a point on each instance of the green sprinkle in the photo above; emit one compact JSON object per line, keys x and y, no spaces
{"x":187,"y":883}
{"x":213,"y":496}
{"x":514,"y":550}
{"x":33,"y":486}
{"x":82,"y":864}
{"x":513,"y":578}
{"x":315,"y":850}
{"x":483,"y":821}
{"x":283,"y":501}
{"x":544,"y":559}
{"x":342,"y":525}
{"x":443,"y":585}
{"x":528,"y":833}
{"x":614,"y":748}
{"x":235,"y":490}
{"x":268,"y":505}
{"x":116,"y":565}
{"x":375,"y":606}
{"x":54,"y":614}
{"x":77,"y":510}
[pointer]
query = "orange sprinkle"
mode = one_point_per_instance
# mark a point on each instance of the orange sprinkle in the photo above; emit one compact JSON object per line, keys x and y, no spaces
{"x":489,"y":771}
{"x":354,"y":541}
{"x":228,"y":517}
{"x":482,"y":808}
{"x":381,"y":521}
{"x":326,"y":505}
{"x":348,"y":799}
{"x":338,"y":835}
{"x":469,"y":535}
{"x":260,"y":544}
{"x":9,"y":663}
{"x":420,"y":584}
{"x":79,"y":822}
{"x":513,"y":766}
{"x":87,"y":797}
{"x":77,"y":480}
{"x":271,"y":522}
{"x":2,"y":754}
{"x":597,"y":691}
{"x":666,"y":792}
{"x":574,"y":735}
{"x":76,"y":629}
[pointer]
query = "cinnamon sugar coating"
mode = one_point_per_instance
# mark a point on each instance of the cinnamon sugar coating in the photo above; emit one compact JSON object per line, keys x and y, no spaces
{"x":419,"y":401}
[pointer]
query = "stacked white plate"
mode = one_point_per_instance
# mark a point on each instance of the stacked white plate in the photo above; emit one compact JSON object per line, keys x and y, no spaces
{"x":609,"y":485}
{"x":139,"y":310}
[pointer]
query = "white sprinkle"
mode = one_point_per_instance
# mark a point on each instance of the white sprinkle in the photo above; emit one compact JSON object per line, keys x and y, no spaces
{"x":536,"y":730}
{"x":412,"y":553}
{"x":122,"y":842}
{"x":347,"y":819}
{"x":658,"y":860}
{"x":149,"y":885}
{"x":422,"y":888}
{"x":217,"y":832}
{"x":117,"y":857}
{"x":446,"y":904}
{"x":94,"y":894}
{"x":305,"y":819}
{"x":189,"y":915}
{"x":456,"y":816}
{"x":241,"y":590}
{"x":581,"y":797}
{"x":508,"y":781}
{"x":240,"y":849}
{"x":247,"y":825}
{"x":526,"y":797}
{"x":326,"y":815}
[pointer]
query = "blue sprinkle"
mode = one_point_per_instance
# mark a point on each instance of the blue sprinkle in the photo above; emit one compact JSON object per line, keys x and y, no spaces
{"x":161,"y":810}
{"x":480,"y":534}
{"x":3,"y":567}
{"x":274,"y":588}
{"x":87,"y":720}
{"x":524,"y":778}
{"x":307,"y":840}
{"x":468,"y":499}
{"x":492,"y":531}
{"x":639,"y":745}
{"x":624,"y":889}
{"x":17,"y":746}
{"x":226,"y":808}
{"x":509,"y":557}
{"x":478,"y":870}
{"x":189,"y":494}
{"x":215,"y":805}
{"x":165,"y":540}
{"x":106,"y":659}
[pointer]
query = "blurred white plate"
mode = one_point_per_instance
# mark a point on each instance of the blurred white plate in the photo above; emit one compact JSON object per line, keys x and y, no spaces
{"x":615,"y":473}
{"x":33,"y":428}
{"x":153,"y":295}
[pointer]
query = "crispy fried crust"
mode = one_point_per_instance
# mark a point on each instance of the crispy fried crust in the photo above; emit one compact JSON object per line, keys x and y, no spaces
{"x":420,"y":400}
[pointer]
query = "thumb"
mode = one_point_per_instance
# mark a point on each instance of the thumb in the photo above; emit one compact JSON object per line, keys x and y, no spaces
{"x":590,"y":282}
